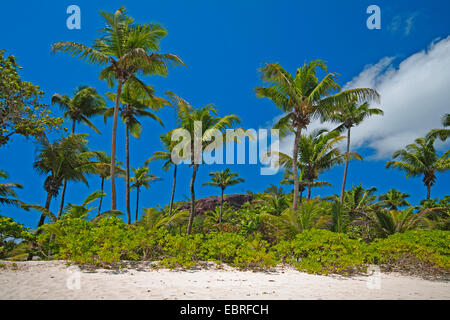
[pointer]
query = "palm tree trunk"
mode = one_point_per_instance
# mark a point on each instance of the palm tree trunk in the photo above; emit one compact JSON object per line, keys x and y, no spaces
{"x":113,"y":145}
{"x":428,"y":192}
{"x":347,"y":159}
{"x":294,"y":167}
{"x":221,"y":207}
{"x":173,"y":189}
{"x":63,"y":194}
{"x":192,"y":214}
{"x":101,"y":198}
{"x":309,"y":191}
{"x":127,"y":150}
{"x":47,"y":207}
{"x":137,"y":202}
{"x":301,"y":196}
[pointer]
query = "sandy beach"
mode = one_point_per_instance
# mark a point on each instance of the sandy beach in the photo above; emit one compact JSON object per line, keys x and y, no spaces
{"x":56,"y":280}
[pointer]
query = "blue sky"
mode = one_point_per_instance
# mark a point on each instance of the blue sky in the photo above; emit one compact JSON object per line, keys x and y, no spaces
{"x":223,"y":43}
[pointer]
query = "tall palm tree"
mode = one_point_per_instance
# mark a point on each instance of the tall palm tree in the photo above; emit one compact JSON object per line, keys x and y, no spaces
{"x":126,"y":49}
{"x":141,"y":179}
{"x":205,"y":120}
{"x":166,"y":156}
{"x":7,"y":192}
{"x":65,"y":159}
{"x":421,"y":158}
{"x":136,"y":102}
{"x":303,"y":97}
{"x":393,"y":199}
{"x":349,"y":115}
{"x":102,"y":168}
{"x":223,"y":179}
{"x":443,"y":133}
{"x":85,"y":103}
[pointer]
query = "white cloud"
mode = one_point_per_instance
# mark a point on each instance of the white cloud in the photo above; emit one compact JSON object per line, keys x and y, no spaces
{"x":414,"y":96}
{"x":404,"y":23}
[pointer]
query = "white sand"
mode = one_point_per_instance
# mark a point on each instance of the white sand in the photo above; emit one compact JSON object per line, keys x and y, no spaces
{"x":48,"y":280}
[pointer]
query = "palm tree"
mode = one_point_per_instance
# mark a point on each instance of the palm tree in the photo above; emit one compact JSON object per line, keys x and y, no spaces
{"x":166,"y":156}
{"x":443,"y":133}
{"x":82,"y":211}
{"x":85,"y":103}
{"x":102,"y":168}
{"x":288,"y":179}
{"x":223,"y":179}
{"x":420,"y":158}
{"x":350,"y":115}
{"x":393,"y":221}
{"x":394,"y":199}
{"x":135,"y":101}
{"x":205,"y":120}
{"x":358,"y":201}
{"x":65,"y":159}
{"x":302,"y":98}
{"x":7,"y":191}
{"x":141,"y":179}
{"x":317,"y":152}
{"x":126,"y":49}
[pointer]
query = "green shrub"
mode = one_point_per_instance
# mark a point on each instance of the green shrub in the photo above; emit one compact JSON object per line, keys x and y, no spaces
{"x":323,"y":252}
{"x":417,"y":251}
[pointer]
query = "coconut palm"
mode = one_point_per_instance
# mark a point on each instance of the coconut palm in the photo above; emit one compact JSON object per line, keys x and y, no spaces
{"x":102,"y":167}
{"x":303,"y":97}
{"x":421,"y":158}
{"x":65,"y":159}
{"x":223,"y":179}
{"x":349,"y":115}
{"x":206,"y":122}
{"x":84,"y":104}
{"x":443,"y":133}
{"x":317,"y":153}
{"x":166,"y":156}
{"x":393,"y":199}
{"x":125,"y":49}
{"x":7,"y":192}
{"x":141,"y":179}
{"x":136,"y":102}
{"x":358,"y":201}
{"x":288,"y":178}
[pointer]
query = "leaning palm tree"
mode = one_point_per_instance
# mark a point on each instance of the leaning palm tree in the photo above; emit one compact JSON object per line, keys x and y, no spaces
{"x":136,"y":102}
{"x":166,"y":156}
{"x":303,"y":97}
{"x":101,"y":167}
{"x":443,"y":133}
{"x":126,"y":49}
{"x":349,"y":115}
{"x":421,"y":158}
{"x":223,"y":179}
{"x":7,"y":192}
{"x":141,"y":179}
{"x":201,"y":124}
{"x":393,"y":199}
{"x":85,"y":103}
